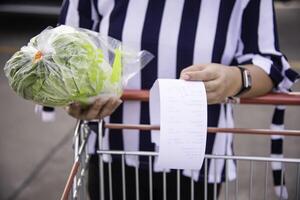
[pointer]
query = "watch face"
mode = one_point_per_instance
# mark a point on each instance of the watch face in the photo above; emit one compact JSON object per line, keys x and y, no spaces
{"x":248,"y":80}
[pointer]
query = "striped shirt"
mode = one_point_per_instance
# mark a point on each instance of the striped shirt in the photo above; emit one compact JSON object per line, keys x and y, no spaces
{"x":181,"y":33}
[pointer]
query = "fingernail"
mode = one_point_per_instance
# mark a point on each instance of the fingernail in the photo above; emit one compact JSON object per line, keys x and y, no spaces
{"x":185,"y":77}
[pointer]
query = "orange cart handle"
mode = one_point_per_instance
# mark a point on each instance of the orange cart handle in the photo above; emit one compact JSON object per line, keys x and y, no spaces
{"x":292,"y":98}
{"x":68,"y":186}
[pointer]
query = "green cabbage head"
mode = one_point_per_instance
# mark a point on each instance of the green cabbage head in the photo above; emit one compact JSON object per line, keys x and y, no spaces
{"x":60,"y":66}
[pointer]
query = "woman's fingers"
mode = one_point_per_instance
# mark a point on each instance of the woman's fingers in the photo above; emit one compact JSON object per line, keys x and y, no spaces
{"x":215,"y":92}
{"x":211,"y":86}
{"x":94,"y":109}
{"x":215,"y":77}
{"x":194,"y":68}
{"x":101,"y":108}
{"x":206,"y":74}
{"x":110,"y":106}
{"x":74,"y":110}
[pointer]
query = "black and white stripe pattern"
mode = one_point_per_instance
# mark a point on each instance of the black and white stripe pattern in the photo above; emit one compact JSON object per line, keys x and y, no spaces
{"x":277,"y":151}
{"x":259,"y":44}
{"x":181,"y":33}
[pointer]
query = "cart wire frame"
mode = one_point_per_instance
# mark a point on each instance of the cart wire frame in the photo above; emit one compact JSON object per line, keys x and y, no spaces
{"x":78,"y":174}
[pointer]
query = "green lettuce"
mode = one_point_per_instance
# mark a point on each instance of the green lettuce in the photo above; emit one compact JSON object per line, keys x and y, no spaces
{"x":60,"y":66}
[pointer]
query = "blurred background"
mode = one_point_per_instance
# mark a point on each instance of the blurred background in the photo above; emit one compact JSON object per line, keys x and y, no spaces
{"x":36,"y":157}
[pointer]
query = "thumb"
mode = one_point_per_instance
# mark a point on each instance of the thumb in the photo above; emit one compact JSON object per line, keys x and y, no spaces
{"x":203,"y":75}
{"x":193,"y":68}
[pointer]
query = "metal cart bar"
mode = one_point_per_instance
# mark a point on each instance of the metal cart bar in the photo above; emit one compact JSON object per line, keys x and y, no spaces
{"x":146,"y":127}
{"x":226,"y":157}
{"x":79,"y":149}
{"x":143,"y":95}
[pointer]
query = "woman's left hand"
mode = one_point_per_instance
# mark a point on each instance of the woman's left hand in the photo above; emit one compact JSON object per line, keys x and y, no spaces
{"x":220,"y":81}
{"x":99,"y":109}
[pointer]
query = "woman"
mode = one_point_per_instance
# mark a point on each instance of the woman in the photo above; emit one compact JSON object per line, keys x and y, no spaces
{"x":231,"y":46}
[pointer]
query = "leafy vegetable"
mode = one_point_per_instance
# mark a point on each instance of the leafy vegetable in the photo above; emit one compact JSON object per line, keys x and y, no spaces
{"x":63,"y":65}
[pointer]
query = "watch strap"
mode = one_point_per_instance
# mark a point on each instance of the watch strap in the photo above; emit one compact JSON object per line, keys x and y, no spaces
{"x":246,"y":81}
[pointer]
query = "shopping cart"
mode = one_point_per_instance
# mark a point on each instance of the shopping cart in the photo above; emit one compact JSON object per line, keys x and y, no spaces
{"x":76,"y":184}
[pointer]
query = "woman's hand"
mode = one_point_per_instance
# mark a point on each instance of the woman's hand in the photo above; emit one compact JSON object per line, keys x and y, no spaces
{"x":220,"y":81}
{"x":101,"y":108}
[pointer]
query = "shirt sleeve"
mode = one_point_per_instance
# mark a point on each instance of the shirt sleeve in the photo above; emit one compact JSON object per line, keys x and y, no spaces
{"x":258,"y":44}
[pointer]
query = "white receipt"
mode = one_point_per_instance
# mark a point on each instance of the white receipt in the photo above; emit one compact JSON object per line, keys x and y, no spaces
{"x":180,"y":108}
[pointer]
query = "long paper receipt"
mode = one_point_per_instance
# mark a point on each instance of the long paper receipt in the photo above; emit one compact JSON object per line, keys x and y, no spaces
{"x":180,"y":108}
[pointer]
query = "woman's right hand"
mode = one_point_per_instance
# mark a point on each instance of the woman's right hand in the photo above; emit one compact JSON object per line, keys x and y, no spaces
{"x":101,"y":108}
{"x":220,"y":81}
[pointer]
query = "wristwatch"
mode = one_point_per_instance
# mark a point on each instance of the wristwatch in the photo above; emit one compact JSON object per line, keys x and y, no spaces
{"x":246,"y":81}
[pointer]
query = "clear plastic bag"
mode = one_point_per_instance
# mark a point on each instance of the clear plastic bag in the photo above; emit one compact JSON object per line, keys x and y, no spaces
{"x":64,"y":64}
